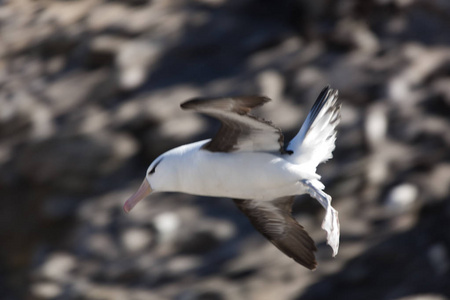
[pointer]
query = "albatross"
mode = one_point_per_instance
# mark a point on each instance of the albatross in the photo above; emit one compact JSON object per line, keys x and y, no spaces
{"x":247,"y":161}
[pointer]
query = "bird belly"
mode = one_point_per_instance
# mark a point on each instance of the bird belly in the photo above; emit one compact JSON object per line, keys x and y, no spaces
{"x":242,"y":175}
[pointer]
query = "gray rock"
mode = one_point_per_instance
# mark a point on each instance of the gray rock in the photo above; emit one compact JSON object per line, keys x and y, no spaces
{"x":134,"y":60}
{"x":74,"y":163}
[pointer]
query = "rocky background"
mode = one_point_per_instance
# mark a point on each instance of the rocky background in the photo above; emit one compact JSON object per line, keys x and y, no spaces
{"x":89,"y":96}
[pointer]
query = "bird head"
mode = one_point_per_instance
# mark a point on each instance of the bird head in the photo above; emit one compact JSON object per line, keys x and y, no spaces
{"x":154,"y":180}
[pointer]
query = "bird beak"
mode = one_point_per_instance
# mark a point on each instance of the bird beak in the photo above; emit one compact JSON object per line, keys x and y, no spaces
{"x":143,"y":191}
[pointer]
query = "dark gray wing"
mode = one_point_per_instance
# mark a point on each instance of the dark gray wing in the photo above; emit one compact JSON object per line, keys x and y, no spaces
{"x":240,"y":131}
{"x":274,"y":220}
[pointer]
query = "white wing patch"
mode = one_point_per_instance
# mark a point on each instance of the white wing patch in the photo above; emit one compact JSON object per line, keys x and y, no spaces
{"x":331,"y":221}
{"x":315,"y":141}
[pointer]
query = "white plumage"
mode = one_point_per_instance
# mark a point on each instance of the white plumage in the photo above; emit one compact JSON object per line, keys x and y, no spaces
{"x":247,"y":161}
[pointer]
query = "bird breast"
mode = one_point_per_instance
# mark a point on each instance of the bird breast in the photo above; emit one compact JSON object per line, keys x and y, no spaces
{"x":242,"y":175}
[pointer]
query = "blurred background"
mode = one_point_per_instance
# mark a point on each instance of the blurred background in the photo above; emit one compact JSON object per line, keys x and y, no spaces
{"x":89,"y":96}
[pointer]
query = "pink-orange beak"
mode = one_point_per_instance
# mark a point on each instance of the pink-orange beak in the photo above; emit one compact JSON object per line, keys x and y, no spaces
{"x":143,"y":191}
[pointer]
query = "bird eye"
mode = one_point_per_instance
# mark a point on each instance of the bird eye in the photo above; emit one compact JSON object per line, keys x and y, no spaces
{"x":154,"y":168}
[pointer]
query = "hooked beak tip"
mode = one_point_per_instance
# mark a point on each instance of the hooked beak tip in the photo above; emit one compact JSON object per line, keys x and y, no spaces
{"x":126,"y":209}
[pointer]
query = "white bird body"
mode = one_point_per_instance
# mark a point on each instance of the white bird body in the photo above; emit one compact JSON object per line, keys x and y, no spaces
{"x":240,"y":175}
{"x":247,"y":161}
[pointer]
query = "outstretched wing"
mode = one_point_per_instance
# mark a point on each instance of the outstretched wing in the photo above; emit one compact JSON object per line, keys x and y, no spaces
{"x":274,"y":220}
{"x":314,"y":143}
{"x":240,"y":131}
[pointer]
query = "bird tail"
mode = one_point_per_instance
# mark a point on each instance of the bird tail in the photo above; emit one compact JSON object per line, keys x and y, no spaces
{"x":314,"y":143}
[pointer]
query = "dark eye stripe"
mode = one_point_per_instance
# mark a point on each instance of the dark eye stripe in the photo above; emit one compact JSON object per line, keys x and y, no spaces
{"x":154,"y":168}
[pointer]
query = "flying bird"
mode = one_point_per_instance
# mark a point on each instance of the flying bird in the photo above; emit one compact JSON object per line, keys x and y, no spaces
{"x":247,"y":161}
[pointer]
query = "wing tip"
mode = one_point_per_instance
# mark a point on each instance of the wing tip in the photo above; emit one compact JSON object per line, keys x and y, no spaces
{"x":190,"y":104}
{"x":324,"y":96}
{"x":327,"y":97}
{"x":311,"y":265}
